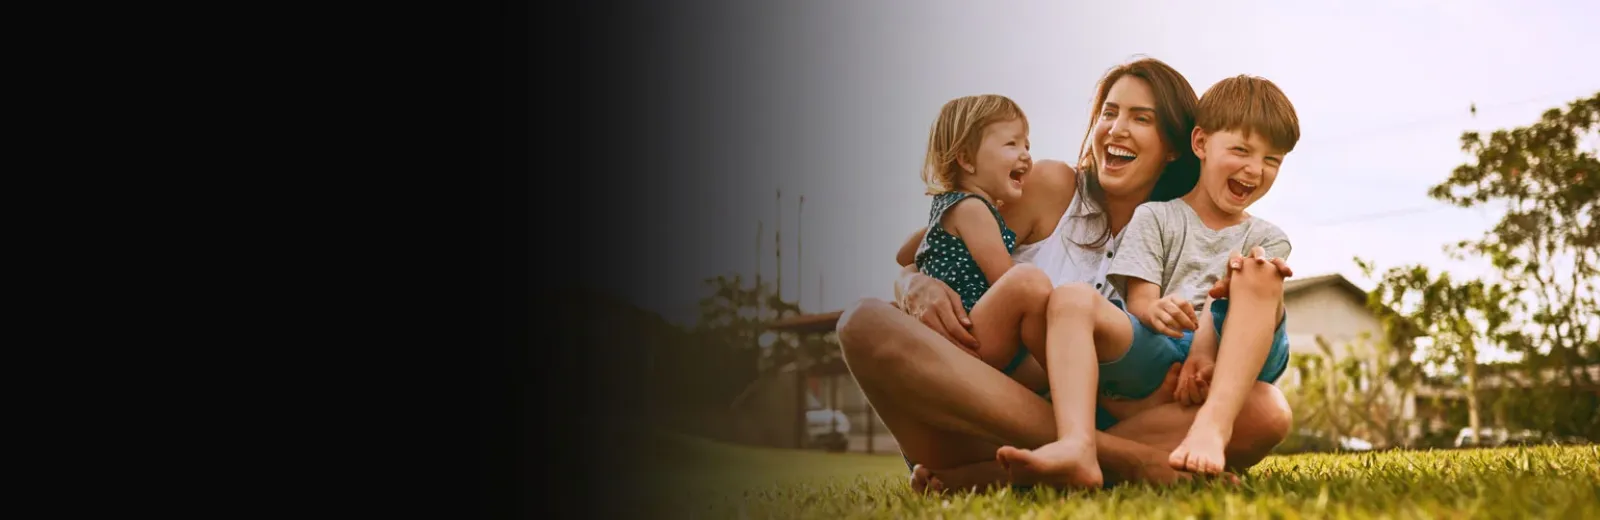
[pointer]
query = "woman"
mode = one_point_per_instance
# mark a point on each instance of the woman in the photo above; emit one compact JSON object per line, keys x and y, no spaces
{"x":949,"y":411}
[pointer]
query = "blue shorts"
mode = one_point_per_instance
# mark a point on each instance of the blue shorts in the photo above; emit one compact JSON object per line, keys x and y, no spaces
{"x":1140,"y":370}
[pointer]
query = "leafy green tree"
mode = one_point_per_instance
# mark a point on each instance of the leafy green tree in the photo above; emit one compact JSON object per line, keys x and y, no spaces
{"x":1458,"y":318}
{"x":1544,"y":252}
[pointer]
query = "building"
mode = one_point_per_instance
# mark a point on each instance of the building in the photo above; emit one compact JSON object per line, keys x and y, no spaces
{"x":1329,"y":314}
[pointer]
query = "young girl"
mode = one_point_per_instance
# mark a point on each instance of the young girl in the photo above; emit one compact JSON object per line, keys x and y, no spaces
{"x":977,"y":156}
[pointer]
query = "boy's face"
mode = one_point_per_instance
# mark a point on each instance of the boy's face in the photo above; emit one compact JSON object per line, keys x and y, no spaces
{"x":1235,"y":171}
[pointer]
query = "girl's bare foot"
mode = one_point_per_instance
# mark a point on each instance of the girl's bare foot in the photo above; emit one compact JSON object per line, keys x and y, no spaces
{"x":1201,"y":450}
{"x":1064,"y":464}
{"x":978,"y":476}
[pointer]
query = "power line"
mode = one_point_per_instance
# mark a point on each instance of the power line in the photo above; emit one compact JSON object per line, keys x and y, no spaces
{"x":1381,"y":215}
{"x":1424,"y":120}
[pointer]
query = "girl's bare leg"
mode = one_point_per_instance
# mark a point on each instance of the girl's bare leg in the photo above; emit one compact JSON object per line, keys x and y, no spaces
{"x":1084,"y":328}
{"x":1011,"y":315}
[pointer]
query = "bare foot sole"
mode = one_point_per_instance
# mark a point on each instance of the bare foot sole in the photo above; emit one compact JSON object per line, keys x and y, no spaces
{"x":978,"y":476}
{"x":1061,"y":464}
{"x":1200,"y":452}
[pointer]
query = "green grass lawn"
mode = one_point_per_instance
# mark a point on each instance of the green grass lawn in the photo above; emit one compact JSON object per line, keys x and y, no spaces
{"x":703,"y":479}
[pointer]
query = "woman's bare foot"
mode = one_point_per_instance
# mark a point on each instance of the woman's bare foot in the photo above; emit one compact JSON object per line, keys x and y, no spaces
{"x":1064,"y":464}
{"x":1201,"y":450}
{"x":978,"y":476}
{"x":1149,"y":465}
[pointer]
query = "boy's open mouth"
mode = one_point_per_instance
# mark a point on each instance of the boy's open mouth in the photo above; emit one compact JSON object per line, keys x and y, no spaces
{"x":1016,"y":175}
{"x":1240,"y":189}
{"x":1117,"y":156}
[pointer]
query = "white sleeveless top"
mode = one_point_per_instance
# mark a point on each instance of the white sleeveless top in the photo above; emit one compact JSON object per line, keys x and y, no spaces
{"x":1060,"y":257}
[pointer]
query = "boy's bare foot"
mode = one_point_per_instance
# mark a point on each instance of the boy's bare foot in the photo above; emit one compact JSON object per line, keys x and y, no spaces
{"x":1063,"y":464}
{"x":1201,"y":450}
{"x":978,"y":476}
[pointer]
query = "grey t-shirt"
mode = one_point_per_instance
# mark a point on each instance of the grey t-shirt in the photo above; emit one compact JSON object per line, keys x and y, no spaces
{"x":1166,"y":244}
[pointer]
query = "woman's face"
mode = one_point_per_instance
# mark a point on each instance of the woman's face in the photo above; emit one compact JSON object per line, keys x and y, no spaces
{"x":1127,"y":139}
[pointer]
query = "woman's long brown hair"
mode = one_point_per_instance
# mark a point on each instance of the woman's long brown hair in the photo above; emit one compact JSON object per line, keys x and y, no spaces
{"x":1175,"y":113}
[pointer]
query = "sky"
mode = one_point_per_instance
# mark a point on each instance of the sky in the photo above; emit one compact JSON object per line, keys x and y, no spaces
{"x":835,"y":98}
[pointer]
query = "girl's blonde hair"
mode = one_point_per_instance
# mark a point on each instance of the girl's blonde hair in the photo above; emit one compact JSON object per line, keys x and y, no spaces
{"x":957,"y":133}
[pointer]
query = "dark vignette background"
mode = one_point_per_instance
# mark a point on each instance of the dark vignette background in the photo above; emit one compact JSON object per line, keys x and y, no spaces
{"x":636,"y":114}
{"x":640,"y":128}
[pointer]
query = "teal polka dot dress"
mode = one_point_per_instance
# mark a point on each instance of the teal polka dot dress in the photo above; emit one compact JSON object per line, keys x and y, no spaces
{"x":945,"y":257}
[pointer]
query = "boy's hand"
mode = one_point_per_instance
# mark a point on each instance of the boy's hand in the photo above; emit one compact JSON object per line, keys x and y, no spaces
{"x":1171,"y":315}
{"x":1235,"y":263}
{"x":1194,"y":382}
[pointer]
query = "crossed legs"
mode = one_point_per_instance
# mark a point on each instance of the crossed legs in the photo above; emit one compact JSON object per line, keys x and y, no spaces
{"x":950,"y":412}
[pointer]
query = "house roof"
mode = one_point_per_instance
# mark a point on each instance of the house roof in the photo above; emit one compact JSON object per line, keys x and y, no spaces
{"x":1337,"y":281}
{"x":1297,"y":285}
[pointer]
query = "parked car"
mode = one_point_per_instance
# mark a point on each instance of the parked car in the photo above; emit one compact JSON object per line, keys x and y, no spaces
{"x":1491,"y":437}
{"x":828,"y":429}
{"x":1310,"y":441}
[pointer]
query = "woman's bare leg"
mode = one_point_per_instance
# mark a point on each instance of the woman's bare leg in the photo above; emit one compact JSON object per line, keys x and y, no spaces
{"x":1263,"y":423}
{"x":947,"y":409}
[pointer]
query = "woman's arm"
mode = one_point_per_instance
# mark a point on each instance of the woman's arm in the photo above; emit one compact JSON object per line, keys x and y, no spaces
{"x":908,"y":251}
{"x":936,"y":305}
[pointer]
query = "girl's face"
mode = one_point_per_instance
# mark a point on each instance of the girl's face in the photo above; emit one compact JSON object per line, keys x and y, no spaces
{"x":1003,"y":158}
{"x":1127,"y":140}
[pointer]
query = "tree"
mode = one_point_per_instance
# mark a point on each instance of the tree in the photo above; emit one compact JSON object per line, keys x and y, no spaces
{"x":1458,"y":318}
{"x":1544,"y":252}
{"x":1545,"y":247}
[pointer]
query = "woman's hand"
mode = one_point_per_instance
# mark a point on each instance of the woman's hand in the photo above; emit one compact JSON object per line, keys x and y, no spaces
{"x":1236,"y":262}
{"x":936,"y":305}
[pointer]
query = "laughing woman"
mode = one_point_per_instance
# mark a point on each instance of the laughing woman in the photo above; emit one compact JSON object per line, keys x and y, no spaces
{"x":949,"y":411}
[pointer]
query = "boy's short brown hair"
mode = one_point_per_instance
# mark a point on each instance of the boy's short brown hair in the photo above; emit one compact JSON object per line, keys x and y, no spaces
{"x":1250,"y":104}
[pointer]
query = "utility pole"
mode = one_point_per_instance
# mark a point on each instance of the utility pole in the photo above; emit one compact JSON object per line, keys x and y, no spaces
{"x":800,"y":255}
{"x":761,"y":310}
{"x":778,"y":238}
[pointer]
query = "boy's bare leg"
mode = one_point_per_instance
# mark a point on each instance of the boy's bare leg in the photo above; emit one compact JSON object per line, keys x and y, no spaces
{"x":1010,"y":315}
{"x":1081,"y":319}
{"x":1256,"y":292}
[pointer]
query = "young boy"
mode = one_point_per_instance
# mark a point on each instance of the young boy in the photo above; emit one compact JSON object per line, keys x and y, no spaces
{"x":1173,"y":252}
{"x":1168,"y":258}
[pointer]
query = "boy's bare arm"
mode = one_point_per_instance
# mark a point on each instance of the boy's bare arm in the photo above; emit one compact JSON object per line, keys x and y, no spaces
{"x":1170,"y":315}
{"x":1194,"y":380}
{"x":1205,"y":337}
